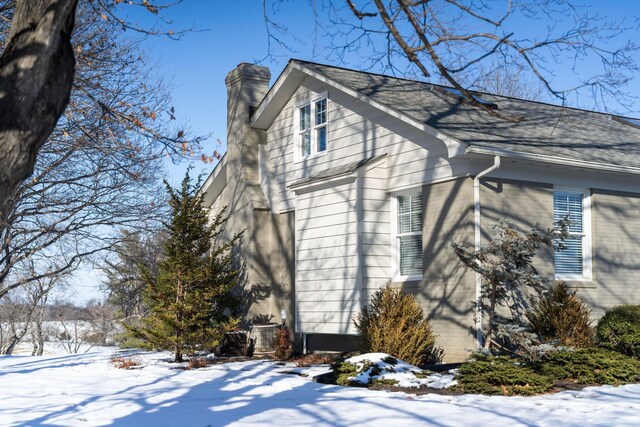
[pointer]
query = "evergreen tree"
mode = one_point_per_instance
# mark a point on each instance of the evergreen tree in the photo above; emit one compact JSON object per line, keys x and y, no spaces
{"x":508,"y":274}
{"x":125,"y":282}
{"x":192,"y":297}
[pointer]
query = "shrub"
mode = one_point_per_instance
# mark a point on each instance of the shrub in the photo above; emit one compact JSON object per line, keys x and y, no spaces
{"x":313,"y":359}
{"x":561,"y":316}
{"x":513,"y":376}
{"x":619,"y":330}
{"x":282,"y":344}
{"x":125,"y":362}
{"x":198,"y":362}
{"x":501,"y":375}
{"x":395,"y":324}
{"x":345,"y":373}
{"x":590,"y":366}
{"x":508,"y":278}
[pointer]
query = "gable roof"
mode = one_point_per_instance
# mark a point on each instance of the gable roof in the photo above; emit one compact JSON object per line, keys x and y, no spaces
{"x":582,"y":137}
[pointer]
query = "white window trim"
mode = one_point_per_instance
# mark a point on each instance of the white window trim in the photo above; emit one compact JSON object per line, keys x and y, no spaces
{"x":297,"y":145}
{"x":395,"y":241}
{"x":587,"y":256}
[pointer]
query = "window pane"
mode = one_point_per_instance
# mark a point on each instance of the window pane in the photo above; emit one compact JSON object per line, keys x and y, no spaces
{"x":305,"y":117}
{"x":411,"y":255}
{"x":321,"y":138}
{"x":321,"y":112}
{"x":306,"y":143}
{"x":410,"y":213}
{"x":569,"y":259}
{"x":410,"y":233}
{"x":569,"y":205}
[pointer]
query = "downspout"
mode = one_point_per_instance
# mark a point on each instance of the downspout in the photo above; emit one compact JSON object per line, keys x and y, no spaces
{"x":476,"y":213}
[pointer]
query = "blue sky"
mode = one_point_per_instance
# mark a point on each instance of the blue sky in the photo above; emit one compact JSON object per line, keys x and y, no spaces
{"x":230,"y":32}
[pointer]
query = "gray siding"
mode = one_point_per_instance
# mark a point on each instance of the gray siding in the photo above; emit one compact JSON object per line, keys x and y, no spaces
{"x":355,"y":131}
{"x":447,"y":290}
{"x":522,"y":203}
{"x":616,"y":251}
{"x":615,"y":231}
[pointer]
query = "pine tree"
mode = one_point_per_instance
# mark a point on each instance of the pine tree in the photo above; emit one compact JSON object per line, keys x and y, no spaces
{"x":192,"y":298}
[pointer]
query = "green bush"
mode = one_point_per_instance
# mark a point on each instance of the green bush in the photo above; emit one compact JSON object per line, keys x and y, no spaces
{"x":395,"y":324}
{"x":562,"y":316}
{"x":501,"y":375}
{"x":125,"y":340}
{"x":590,"y":366}
{"x":619,"y":330}
{"x":345,"y":373}
{"x":512,"y":376}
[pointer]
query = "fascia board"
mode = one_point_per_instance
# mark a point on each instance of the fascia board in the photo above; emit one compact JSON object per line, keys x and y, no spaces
{"x":215,"y":175}
{"x":277,"y":97}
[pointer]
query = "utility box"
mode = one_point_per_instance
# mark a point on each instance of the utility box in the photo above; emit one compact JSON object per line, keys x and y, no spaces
{"x":262,"y":336}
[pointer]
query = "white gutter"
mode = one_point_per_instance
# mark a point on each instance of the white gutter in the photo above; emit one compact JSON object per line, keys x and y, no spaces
{"x":555,"y":160}
{"x":476,"y":212}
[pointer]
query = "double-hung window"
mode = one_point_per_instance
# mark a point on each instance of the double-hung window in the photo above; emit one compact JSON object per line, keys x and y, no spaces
{"x":573,"y":261}
{"x":407,"y":250}
{"x":311,"y":118}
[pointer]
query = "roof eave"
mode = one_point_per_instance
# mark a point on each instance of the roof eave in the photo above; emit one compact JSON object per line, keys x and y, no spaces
{"x":215,"y":175}
{"x":274,"y":101}
{"x":563,"y":161}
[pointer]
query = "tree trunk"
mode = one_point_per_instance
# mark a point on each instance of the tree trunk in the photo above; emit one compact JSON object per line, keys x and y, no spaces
{"x":492,"y":311}
{"x":179,"y":302}
{"x":40,"y":339}
{"x":36,"y":72}
{"x":14,"y":341}
{"x":38,"y":336}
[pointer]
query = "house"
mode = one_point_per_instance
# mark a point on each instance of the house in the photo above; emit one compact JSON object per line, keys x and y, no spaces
{"x":346,"y":180}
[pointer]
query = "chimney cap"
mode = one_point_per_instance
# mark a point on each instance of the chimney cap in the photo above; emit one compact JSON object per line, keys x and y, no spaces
{"x":247,"y":71}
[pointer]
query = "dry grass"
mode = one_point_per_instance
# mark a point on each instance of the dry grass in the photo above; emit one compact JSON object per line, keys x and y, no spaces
{"x":125,"y":362}
{"x":313,"y":359}
{"x":198,"y":362}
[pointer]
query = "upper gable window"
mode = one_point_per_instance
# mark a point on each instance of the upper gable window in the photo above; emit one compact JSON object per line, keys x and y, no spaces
{"x":311,"y":127}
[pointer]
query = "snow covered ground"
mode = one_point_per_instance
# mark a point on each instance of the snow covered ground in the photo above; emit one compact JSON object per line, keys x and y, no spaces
{"x":87,"y":390}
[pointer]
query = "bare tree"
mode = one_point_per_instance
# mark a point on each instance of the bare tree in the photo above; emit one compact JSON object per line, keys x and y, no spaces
{"x":22,"y":312}
{"x":37,"y":71}
{"x":15,"y":319}
{"x":459,"y":41}
{"x":506,"y":81}
{"x":82,"y":327}
{"x":101,"y":167}
{"x":125,"y":282}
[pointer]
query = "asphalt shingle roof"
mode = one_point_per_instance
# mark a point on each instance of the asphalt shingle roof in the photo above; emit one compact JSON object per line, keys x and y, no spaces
{"x":547,"y":129}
